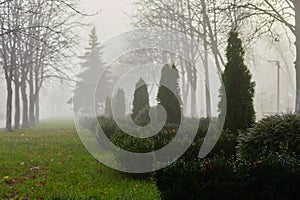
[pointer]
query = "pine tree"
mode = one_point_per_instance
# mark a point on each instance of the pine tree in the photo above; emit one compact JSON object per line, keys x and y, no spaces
{"x":84,"y":94}
{"x":118,"y":104}
{"x":140,"y":99}
{"x":239,"y":88}
{"x":108,"y":111}
{"x":169,"y":94}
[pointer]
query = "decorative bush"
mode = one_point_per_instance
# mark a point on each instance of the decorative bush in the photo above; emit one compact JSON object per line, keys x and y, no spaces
{"x":108,"y":126}
{"x":275,"y":177}
{"x":140,"y":100}
{"x":143,"y":118}
{"x":272,"y":134}
{"x":133,"y":144}
{"x":168,"y":94}
{"x":107,"y":111}
{"x":164,"y":137}
{"x":239,"y":87}
{"x":225,"y":146}
{"x":138,"y":145}
{"x":118,"y":104}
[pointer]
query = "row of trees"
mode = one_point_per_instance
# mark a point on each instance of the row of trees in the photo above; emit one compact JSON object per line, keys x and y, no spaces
{"x":236,"y":77}
{"x":208,"y":22}
{"x":238,"y":85}
{"x":202,"y":22}
{"x":36,"y":40}
{"x":168,"y":97}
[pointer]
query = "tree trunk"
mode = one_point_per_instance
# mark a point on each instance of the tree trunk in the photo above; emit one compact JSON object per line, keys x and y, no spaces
{"x":207,"y":83}
{"x":17,"y":106}
{"x":31,"y":100}
{"x":25,"y":122}
{"x":207,"y":87}
{"x":9,"y":104}
{"x":297,"y":66}
{"x":37,"y":109}
{"x":37,"y":92}
{"x":214,"y":45}
{"x":183,"y":87}
{"x":193,"y":92}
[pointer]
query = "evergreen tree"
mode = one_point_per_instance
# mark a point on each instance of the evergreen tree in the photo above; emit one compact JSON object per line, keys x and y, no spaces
{"x":108,"y":111}
{"x":92,"y":64}
{"x":140,"y":99}
{"x":169,"y":94}
{"x":118,"y":103}
{"x":239,"y":88}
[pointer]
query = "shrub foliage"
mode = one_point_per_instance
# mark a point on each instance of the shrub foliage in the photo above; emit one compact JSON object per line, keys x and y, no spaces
{"x":275,"y":177}
{"x":169,"y":94}
{"x":140,"y":111}
{"x":272,"y":134}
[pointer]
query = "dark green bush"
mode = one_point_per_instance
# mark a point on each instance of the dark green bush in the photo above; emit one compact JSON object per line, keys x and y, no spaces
{"x":273,"y":134}
{"x":239,"y":87}
{"x":158,"y":141}
{"x":108,"y":125}
{"x":143,"y":118}
{"x":139,"y":145}
{"x":275,"y":177}
{"x":225,"y":146}
{"x":133,"y":144}
{"x":141,"y":103}
{"x":168,"y":95}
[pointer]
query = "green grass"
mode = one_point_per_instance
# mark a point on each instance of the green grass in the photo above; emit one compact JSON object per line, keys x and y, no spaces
{"x":50,"y":162}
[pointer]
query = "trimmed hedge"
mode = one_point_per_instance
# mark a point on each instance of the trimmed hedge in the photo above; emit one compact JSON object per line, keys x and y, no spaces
{"x":108,"y":125}
{"x":273,"y":134}
{"x":275,"y":177}
{"x":225,"y":146}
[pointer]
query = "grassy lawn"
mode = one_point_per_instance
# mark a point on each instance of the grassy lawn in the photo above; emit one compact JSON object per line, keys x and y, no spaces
{"x":49,"y":162}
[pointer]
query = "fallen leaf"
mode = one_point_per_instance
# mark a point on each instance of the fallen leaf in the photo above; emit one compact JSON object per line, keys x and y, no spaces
{"x":35,"y":169}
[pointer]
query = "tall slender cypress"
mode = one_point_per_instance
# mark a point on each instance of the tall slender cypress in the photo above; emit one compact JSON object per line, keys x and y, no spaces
{"x":169,"y":94}
{"x":239,"y":87}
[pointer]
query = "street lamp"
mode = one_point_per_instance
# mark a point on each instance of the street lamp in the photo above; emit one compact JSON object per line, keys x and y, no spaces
{"x":278,"y":82}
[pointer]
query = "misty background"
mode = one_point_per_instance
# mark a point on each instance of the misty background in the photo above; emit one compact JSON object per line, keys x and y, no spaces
{"x":114,"y":18}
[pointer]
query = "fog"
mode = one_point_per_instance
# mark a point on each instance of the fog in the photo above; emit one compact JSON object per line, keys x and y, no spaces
{"x":110,"y":21}
{"x":113,"y":19}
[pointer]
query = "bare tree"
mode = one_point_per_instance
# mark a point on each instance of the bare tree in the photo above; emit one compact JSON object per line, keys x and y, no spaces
{"x":268,"y":15}
{"x":5,"y":13}
{"x":201,"y":21}
{"x":36,"y":42}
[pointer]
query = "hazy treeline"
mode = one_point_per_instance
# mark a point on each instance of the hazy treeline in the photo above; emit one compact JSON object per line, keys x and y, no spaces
{"x":36,"y":39}
{"x":208,"y":22}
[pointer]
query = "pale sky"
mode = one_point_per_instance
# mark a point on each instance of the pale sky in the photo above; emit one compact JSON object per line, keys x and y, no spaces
{"x":112,"y":19}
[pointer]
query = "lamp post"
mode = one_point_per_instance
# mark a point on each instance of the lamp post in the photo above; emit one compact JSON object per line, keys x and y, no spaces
{"x":289,"y":109}
{"x":278,"y":82}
